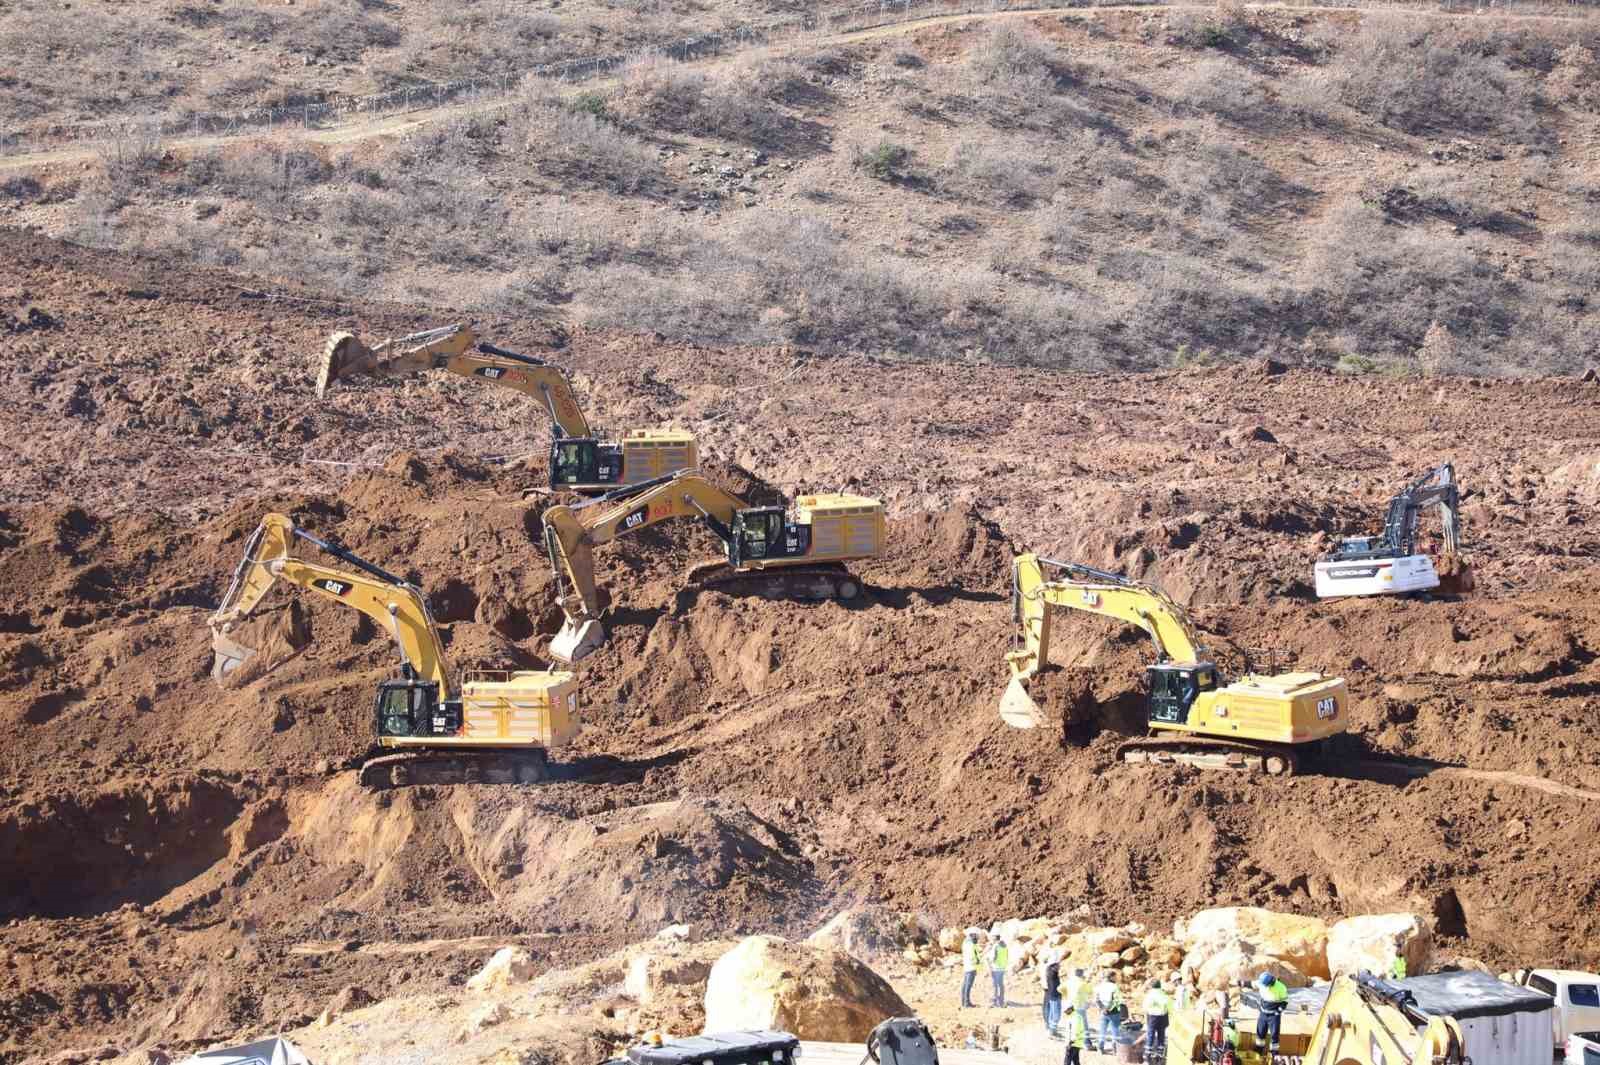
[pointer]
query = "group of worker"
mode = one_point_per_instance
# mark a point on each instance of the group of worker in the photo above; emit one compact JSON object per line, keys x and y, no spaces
{"x":994,"y":954}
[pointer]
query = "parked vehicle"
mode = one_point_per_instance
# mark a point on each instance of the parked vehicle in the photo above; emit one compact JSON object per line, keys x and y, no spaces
{"x":1577,"y":997}
{"x":1583,"y":1048}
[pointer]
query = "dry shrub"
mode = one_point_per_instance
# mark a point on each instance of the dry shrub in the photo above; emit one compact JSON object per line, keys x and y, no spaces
{"x":1438,"y":354}
{"x":1015,"y":69}
{"x":579,"y":146}
{"x":1218,"y":86}
{"x":1575,"y":80}
{"x":1428,"y":77}
{"x":661,"y":94}
{"x":1013,"y":174}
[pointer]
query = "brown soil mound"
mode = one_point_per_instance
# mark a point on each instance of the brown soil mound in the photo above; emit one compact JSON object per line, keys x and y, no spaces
{"x":747,"y":764}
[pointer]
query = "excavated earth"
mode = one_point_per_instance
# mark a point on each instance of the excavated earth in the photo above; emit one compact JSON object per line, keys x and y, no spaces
{"x":180,"y":862}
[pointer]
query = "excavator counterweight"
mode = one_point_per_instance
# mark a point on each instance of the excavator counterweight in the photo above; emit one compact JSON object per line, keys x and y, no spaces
{"x":1196,"y":715}
{"x":581,"y":460}
{"x":496,"y":728}
{"x":782,"y":554}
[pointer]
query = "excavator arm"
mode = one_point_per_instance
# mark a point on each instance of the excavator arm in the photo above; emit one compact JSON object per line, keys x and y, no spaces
{"x":457,"y":350}
{"x":1094,"y":591}
{"x":571,"y":533}
{"x":1370,"y":1022}
{"x":395,"y":605}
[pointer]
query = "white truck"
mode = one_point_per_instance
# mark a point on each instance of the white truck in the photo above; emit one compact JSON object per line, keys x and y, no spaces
{"x":1583,"y":1048}
{"x":1577,"y":1007}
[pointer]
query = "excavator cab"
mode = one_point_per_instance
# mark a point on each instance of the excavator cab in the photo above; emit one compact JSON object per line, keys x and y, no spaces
{"x":761,"y":533}
{"x":411,"y":707}
{"x":1174,"y":688}
{"x":584,"y":462}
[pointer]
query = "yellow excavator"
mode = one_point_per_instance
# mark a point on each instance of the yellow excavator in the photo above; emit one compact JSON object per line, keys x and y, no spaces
{"x":497,"y":728}
{"x":1196,"y":715}
{"x":770,"y":550}
{"x":580,"y":460}
{"x":1373,"y":1022}
{"x":1363,"y":1021}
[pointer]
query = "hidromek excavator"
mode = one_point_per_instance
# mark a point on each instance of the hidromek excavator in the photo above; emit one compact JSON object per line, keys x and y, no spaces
{"x":1391,"y":564}
{"x":1196,"y":716}
{"x":580,"y":461}
{"x":497,"y":728}
{"x":782,"y":555}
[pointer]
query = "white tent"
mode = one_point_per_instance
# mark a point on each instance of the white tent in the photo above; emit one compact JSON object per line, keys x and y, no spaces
{"x":265,"y":1052}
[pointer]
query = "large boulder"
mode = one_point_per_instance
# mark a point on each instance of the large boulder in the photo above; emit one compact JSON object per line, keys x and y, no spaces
{"x":865,"y":932}
{"x":651,"y":976}
{"x":1252,"y":935}
{"x":1238,"y":964}
{"x":510,"y":965}
{"x":813,"y":992}
{"x":1371,"y":942}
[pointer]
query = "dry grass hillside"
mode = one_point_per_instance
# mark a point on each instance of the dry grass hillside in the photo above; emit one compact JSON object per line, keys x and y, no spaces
{"x":1383,"y":192}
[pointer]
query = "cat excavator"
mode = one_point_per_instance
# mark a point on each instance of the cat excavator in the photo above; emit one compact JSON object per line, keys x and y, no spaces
{"x":779,"y":554}
{"x":580,"y":460}
{"x":1392,"y":564}
{"x":1196,"y":715}
{"x":1370,"y":1021}
{"x":496,"y":728}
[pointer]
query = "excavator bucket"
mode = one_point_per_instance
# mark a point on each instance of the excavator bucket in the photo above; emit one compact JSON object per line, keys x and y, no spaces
{"x":227,"y":656}
{"x":343,"y":356}
{"x":1017,"y":707}
{"x":576,"y":642}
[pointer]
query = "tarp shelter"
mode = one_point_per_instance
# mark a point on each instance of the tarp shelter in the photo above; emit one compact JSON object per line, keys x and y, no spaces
{"x":264,"y":1052}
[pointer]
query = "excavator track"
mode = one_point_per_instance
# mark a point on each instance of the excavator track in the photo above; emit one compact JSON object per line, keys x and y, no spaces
{"x":1205,"y":752}
{"x":402,"y":769}
{"x":784,"y":582}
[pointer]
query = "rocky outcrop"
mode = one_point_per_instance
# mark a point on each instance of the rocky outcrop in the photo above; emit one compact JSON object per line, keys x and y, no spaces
{"x":1222,"y":945}
{"x":510,"y":965}
{"x":814,"y":992}
{"x":1371,"y":942}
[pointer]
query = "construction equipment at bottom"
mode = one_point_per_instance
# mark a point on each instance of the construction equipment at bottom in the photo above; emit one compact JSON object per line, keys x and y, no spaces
{"x":1392,"y":564}
{"x":769,"y":550}
{"x":580,"y":459}
{"x":1450,"y":1017}
{"x":497,"y":728}
{"x":1196,"y":715}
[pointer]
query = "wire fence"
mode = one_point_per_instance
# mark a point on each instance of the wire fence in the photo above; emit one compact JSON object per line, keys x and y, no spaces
{"x":435,"y":95}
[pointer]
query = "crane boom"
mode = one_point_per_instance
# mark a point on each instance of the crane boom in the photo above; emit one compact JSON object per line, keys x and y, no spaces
{"x":395,"y":605}
{"x":458,"y":350}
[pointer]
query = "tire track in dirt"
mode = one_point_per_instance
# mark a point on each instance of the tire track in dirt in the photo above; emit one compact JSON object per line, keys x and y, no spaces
{"x":390,"y":125}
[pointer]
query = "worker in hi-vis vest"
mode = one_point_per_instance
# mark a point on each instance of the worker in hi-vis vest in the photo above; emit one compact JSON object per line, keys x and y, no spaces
{"x":999,"y":958}
{"x":1156,"y":1008}
{"x":1076,"y":1037}
{"x":1274,"y":994}
{"x":969,"y":966}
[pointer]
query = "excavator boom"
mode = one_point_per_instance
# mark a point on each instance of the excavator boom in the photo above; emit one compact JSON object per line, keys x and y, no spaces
{"x":1093,"y":591}
{"x":457,"y":350}
{"x":394,"y":604}
{"x":1367,"y":1021}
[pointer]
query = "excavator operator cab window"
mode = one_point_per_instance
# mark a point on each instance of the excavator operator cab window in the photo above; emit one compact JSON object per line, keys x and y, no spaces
{"x":1172,"y":692}
{"x":573,"y":461}
{"x":757,"y":534}
{"x":407,"y":708}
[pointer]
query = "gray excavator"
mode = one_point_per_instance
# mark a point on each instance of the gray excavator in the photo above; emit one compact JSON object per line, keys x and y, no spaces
{"x":1392,"y":563}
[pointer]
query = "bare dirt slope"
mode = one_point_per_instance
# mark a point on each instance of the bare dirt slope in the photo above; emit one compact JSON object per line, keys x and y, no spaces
{"x":183,"y":862}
